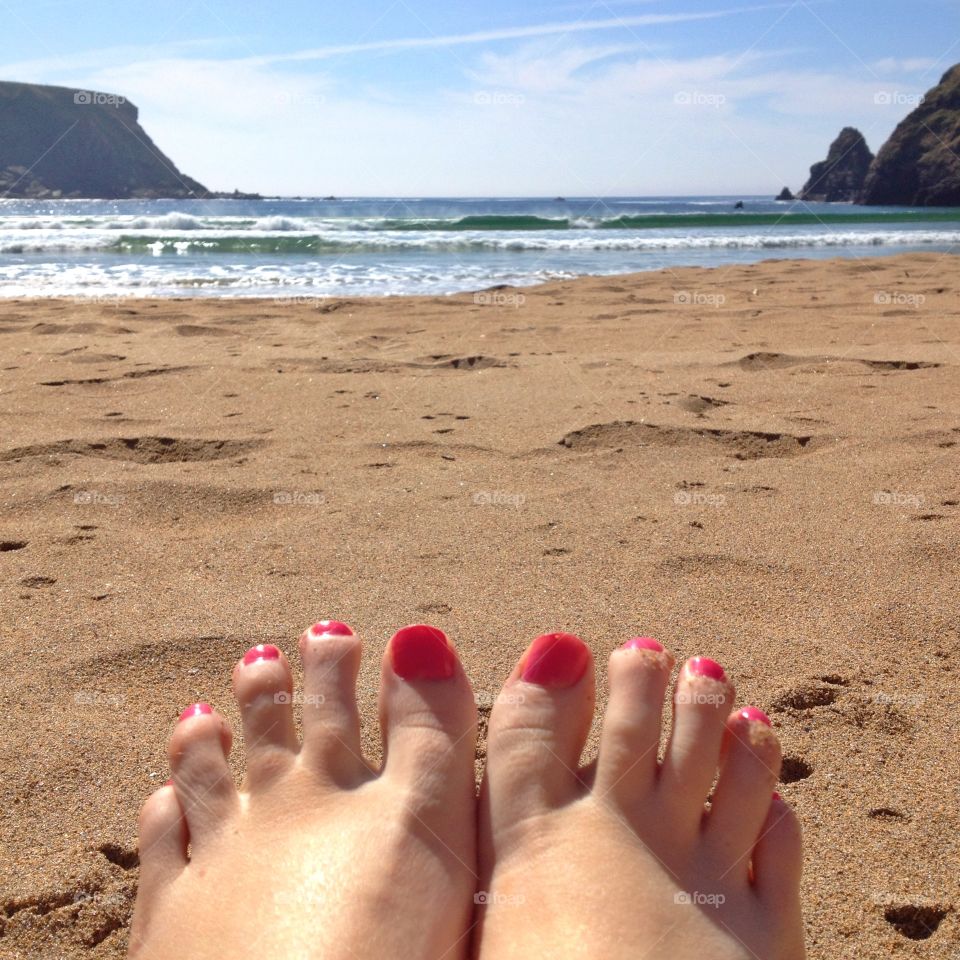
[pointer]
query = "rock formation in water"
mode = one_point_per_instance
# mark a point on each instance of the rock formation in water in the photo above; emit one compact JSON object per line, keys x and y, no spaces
{"x":840,"y":178}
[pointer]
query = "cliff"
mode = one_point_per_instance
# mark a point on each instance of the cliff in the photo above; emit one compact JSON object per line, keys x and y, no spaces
{"x":841,"y":176}
{"x":60,"y":142}
{"x":919,"y":164}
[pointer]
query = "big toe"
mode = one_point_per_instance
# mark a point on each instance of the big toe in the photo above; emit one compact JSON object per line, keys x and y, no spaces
{"x":538,"y":728}
{"x":429,"y":718}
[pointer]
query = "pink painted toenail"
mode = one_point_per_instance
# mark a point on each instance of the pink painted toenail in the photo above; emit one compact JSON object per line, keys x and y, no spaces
{"x":758,"y":716}
{"x":331,"y":628}
{"x":555,"y":660}
{"x":197,"y":710}
{"x":705,"y":667}
{"x":262,"y":651}
{"x":642,"y":643}
{"x":422,"y":652}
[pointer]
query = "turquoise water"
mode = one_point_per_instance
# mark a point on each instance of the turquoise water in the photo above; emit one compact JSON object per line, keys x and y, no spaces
{"x":364,"y":246}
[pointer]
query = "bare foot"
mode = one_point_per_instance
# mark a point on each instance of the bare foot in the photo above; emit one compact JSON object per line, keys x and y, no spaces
{"x":318,"y":855}
{"x":621,"y":859}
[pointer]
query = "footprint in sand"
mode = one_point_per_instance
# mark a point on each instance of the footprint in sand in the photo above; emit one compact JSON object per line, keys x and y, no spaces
{"x":914,"y":921}
{"x":794,"y":768}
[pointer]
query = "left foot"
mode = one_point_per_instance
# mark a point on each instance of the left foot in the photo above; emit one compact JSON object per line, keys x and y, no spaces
{"x":318,"y":855}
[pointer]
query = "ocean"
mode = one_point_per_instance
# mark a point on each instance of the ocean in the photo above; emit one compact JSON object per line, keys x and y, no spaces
{"x":312,"y":248}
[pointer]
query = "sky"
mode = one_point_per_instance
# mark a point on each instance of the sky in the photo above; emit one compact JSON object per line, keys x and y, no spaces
{"x":498,"y":98}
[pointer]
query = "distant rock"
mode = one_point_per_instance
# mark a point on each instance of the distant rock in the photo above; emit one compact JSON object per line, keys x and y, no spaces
{"x":58,"y":142}
{"x":785,"y":194}
{"x":841,"y":176}
{"x":918,"y":165}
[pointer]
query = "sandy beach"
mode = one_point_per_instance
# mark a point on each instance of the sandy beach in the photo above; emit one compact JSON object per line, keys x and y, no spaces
{"x":756,"y":463}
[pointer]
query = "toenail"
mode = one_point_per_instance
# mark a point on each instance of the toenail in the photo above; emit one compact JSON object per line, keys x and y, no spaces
{"x":642,"y":643}
{"x":262,"y":651}
{"x":705,"y":667}
{"x":555,"y":660}
{"x":331,"y":628}
{"x":197,"y":710}
{"x":753,"y":714}
{"x":421,"y":652}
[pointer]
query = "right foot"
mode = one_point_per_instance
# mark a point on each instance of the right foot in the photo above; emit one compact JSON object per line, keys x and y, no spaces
{"x":621,"y":859}
{"x":317,"y":855}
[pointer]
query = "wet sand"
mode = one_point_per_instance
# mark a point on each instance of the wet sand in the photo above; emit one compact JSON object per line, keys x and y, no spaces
{"x":757,"y":463}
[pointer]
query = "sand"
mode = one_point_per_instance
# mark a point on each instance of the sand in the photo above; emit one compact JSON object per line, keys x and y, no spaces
{"x":758,"y":463}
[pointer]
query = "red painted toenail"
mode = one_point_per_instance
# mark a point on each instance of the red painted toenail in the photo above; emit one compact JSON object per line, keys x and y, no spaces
{"x":752,"y":713}
{"x":262,"y":651}
{"x":331,"y":628}
{"x":555,"y":660}
{"x":422,"y":652}
{"x":197,"y":710}
{"x":705,"y":667}
{"x":642,"y":643}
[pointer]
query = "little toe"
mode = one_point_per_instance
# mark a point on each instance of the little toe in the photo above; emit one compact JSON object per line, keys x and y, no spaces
{"x":198,"y":752}
{"x":778,"y":858}
{"x":428,"y":716}
{"x":537,"y":731}
{"x":741,"y":801}
{"x":331,"y":651}
{"x":162,"y":850}
{"x":262,"y":685}
{"x":701,"y":702}
{"x":627,"y":763}
{"x":161,"y":839}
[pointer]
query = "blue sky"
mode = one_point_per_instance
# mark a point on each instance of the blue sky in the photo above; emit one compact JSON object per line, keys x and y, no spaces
{"x":422,"y":97}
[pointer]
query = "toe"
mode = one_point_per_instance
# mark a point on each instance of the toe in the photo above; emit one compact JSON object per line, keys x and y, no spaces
{"x":198,"y":752}
{"x":538,"y":728}
{"x":330,"y":651}
{"x":161,"y":840}
{"x":701,"y":703}
{"x":262,"y":685}
{"x":778,"y":859}
{"x":162,"y":848}
{"x":429,"y":717}
{"x":741,"y":801}
{"x":627,"y":762}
